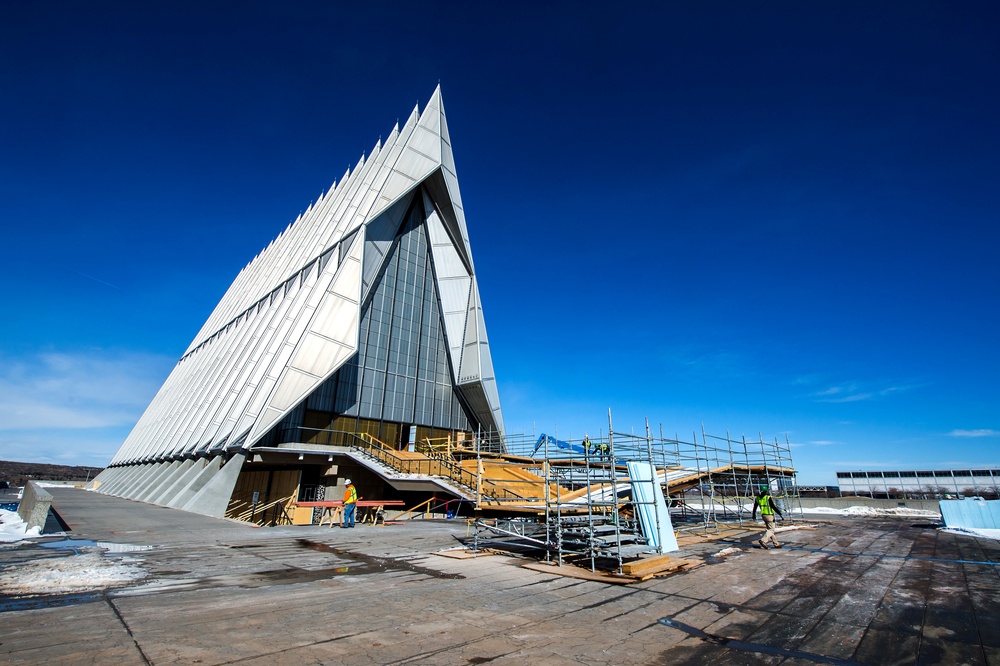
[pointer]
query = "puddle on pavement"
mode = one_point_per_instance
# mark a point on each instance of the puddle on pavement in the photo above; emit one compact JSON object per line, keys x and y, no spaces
{"x":69,"y":544}
{"x":48,"y":601}
{"x":76,"y":545}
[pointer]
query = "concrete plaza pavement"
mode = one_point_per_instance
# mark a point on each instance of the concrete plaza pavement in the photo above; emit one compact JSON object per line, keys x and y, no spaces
{"x":860,"y":590}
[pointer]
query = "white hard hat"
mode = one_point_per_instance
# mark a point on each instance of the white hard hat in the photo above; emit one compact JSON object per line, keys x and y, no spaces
{"x":347,"y":482}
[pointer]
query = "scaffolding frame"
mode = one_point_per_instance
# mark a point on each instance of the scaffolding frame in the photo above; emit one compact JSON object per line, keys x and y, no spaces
{"x":585,"y":512}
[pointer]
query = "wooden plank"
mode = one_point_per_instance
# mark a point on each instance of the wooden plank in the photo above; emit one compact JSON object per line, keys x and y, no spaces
{"x":464,"y":553}
{"x":677,"y":567}
{"x":577,"y":572}
{"x":647,"y":565}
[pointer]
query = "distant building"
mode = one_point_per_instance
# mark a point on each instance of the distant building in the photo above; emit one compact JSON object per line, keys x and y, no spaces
{"x":361,"y":322}
{"x":924,"y":483}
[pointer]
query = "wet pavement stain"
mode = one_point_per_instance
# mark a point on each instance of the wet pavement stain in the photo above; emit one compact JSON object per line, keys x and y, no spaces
{"x":744,"y":646}
{"x":384,"y":563}
{"x":47,"y":601}
{"x":484,"y":660}
{"x":350,"y":563}
{"x":355,"y":564}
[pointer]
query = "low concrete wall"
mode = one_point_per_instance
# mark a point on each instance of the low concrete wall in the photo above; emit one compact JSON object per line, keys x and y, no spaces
{"x":876,"y":503}
{"x":34,"y":506}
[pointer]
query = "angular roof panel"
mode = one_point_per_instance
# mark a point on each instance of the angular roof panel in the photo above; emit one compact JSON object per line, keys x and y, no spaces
{"x":291,"y":317}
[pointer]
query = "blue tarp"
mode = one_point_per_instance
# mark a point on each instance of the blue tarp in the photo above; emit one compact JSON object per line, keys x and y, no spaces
{"x":976,"y":514}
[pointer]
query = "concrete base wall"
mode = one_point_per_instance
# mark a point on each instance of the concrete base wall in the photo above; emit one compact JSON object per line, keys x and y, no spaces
{"x":34,"y":506}
{"x":198,"y":486}
{"x":207,"y":472}
{"x":213,"y":498}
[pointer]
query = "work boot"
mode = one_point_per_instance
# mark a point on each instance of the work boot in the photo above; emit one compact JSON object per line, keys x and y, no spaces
{"x":778,"y":545}
{"x":762,"y":544}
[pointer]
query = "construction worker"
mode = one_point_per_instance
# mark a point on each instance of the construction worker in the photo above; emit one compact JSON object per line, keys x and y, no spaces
{"x":767,"y":507}
{"x":588,"y":446}
{"x":350,"y":503}
{"x":604,"y":450}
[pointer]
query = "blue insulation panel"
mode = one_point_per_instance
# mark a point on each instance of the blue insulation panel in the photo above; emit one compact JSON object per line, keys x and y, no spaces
{"x":651,"y":507}
{"x":981,"y":514}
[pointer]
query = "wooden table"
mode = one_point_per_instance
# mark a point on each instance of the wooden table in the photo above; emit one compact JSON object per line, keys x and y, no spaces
{"x":369,"y":510}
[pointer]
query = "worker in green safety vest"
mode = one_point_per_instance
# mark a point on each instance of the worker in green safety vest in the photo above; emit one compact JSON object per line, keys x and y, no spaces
{"x":604,"y":451}
{"x":768,"y":508}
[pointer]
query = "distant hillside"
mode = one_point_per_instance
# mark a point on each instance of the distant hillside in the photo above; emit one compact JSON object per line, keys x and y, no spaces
{"x":17,"y":473}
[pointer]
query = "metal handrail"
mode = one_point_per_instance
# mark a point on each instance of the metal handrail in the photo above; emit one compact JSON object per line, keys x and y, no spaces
{"x":383,"y":453}
{"x":432,"y":464}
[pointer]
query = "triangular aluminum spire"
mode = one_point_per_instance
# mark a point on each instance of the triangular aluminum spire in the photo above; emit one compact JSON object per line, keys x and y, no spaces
{"x":291,"y":317}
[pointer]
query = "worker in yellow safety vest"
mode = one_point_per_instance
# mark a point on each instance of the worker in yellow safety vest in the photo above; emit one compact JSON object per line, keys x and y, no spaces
{"x":767,"y":507}
{"x":350,"y":504}
{"x":604,"y":451}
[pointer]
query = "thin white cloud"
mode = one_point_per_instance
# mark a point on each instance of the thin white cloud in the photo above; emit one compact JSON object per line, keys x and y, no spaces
{"x":981,"y":432}
{"x":834,"y":390}
{"x":823,"y":442}
{"x":77,"y":391}
{"x":856,"y":397}
{"x":92,"y":448}
{"x":853,"y":393}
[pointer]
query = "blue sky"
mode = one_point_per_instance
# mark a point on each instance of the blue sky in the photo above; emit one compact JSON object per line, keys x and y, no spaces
{"x":770,"y":219}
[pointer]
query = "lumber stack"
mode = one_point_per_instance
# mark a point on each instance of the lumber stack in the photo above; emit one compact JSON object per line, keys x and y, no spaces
{"x":632,"y":572}
{"x":659,"y":565}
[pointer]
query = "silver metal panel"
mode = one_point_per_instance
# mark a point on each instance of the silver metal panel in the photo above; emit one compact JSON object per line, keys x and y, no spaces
{"x":348,"y":281}
{"x":397,"y":184}
{"x":261,"y":394}
{"x":455,"y":294}
{"x":471,"y":369}
{"x":438,"y":205}
{"x":337,"y":319}
{"x":317,"y":354}
{"x":290,"y":389}
{"x":447,"y":263}
{"x":435,"y":229}
{"x":456,"y":197}
{"x":415,"y":164}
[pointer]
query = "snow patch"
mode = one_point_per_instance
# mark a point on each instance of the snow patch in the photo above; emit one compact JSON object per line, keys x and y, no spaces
{"x":981,"y":532}
{"x":60,"y":575}
{"x":727,"y":551}
{"x":789,"y":528}
{"x":13,"y":529}
{"x":868,"y":511}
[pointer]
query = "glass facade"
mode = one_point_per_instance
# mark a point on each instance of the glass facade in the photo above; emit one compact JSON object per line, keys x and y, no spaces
{"x":401,"y":375}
